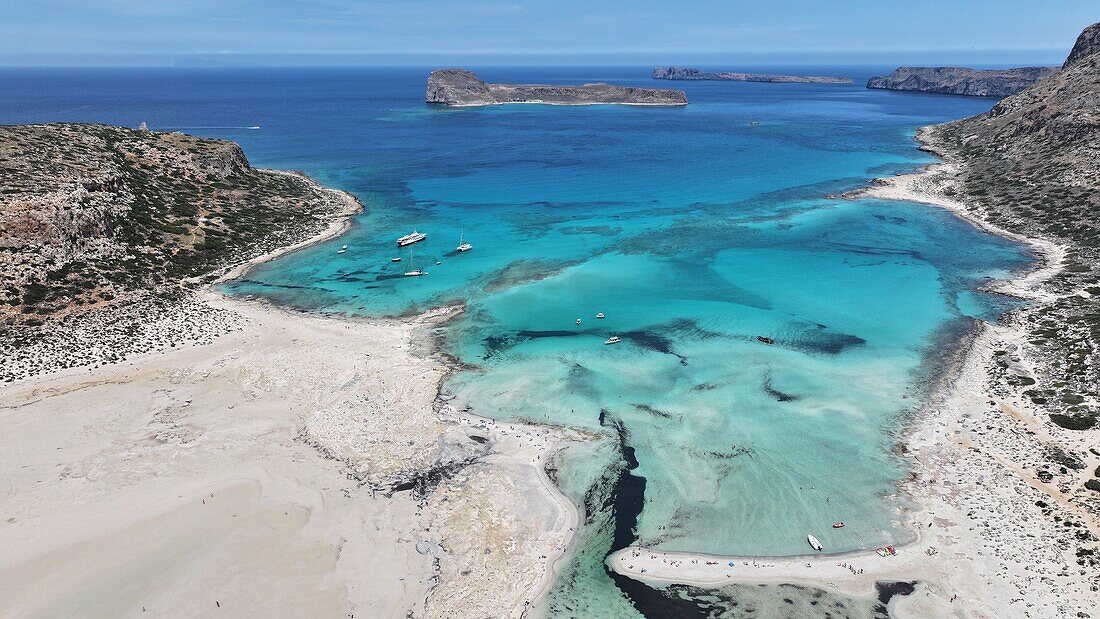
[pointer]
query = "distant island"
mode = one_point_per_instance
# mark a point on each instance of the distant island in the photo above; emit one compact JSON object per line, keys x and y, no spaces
{"x":459,"y":87}
{"x":961,"y":81}
{"x":688,"y":74}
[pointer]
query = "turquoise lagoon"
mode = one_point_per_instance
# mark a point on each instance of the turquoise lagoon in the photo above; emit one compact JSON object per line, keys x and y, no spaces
{"x":695,"y":230}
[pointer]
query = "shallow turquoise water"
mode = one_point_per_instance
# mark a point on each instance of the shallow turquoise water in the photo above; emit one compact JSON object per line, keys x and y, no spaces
{"x":694,"y":229}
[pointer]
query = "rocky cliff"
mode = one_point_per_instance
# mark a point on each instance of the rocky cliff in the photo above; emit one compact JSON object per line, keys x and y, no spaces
{"x":89,"y":213}
{"x":1032,"y":165}
{"x":459,"y":87}
{"x":961,"y":81}
{"x":688,"y":74}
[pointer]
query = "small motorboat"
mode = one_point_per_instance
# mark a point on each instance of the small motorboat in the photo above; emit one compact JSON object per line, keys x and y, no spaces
{"x":415,"y":273}
{"x":814,"y":543}
{"x":838,"y":525}
{"x":614,"y":339}
{"x":767,"y":340}
{"x":438,"y":262}
{"x":344,"y":247}
{"x":397,"y":259}
{"x":578,"y":321}
{"x":600,"y":315}
{"x":340,"y":251}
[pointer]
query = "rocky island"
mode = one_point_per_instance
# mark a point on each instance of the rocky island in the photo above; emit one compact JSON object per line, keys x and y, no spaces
{"x":961,"y":81}
{"x":459,"y":87}
{"x":688,"y":74}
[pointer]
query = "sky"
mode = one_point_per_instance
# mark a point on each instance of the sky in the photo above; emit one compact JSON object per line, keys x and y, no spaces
{"x":89,"y":32}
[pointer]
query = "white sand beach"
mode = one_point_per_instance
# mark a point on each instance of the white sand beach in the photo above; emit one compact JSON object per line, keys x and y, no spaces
{"x":983,"y":546}
{"x":255,"y":474}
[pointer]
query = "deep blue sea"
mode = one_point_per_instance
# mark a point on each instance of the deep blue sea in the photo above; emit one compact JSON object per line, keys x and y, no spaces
{"x":695,"y":230}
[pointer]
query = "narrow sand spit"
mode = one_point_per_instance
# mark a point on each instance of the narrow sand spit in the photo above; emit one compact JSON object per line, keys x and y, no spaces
{"x":299,"y":466}
{"x":987,"y":541}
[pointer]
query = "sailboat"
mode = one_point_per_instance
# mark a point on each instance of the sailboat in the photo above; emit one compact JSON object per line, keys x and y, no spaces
{"x":416,"y":271}
{"x":463,"y":245}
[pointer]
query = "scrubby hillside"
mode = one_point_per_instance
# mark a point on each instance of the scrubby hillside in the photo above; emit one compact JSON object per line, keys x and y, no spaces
{"x":1032,"y":165}
{"x":89,"y":213}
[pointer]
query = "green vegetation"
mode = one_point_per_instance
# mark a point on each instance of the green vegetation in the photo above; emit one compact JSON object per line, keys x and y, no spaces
{"x":92,"y":212}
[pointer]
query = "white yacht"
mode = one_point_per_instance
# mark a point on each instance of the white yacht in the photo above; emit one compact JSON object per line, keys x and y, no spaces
{"x":600,"y":315}
{"x":463,"y":244}
{"x":409,"y":239}
{"x":614,"y":339}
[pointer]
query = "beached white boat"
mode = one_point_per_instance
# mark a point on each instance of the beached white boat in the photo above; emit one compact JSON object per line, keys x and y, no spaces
{"x":814,"y":543}
{"x":409,"y":239}
{"x":614,"y":339}
{"x":463,"y":245}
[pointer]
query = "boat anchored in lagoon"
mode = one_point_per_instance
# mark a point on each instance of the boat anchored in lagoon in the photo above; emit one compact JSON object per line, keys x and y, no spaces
{"x":414,"y":271}
{"x":463,"y":244}
{"x":409,"y":239}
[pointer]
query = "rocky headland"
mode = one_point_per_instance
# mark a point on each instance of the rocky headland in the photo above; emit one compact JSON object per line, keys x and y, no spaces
{"x":961,"y":81}
{"x":163,"y":435}
{"x":689,"y":74}
{"x":459,"y":87}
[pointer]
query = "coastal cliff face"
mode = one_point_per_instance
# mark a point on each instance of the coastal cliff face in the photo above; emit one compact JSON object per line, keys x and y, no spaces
{"x":1032,"y":165}
{"x":960,"y":81}
{"x":689,"y":74}
{"x":90,"y":213}
{"x":458,"y":87}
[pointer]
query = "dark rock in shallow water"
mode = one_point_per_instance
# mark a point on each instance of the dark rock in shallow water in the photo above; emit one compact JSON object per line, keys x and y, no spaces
{"x":460,"y":87}
{"x":961,"y":81}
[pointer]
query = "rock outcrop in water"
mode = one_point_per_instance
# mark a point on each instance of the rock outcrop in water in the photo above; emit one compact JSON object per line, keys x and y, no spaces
{"x":688,"y":74}
{"x":459,"y":87}
{"x":1032,"y":165}
{"x":961,"y":81}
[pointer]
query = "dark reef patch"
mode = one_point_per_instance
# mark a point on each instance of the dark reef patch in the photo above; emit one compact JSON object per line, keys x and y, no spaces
{"x":777,"y":395}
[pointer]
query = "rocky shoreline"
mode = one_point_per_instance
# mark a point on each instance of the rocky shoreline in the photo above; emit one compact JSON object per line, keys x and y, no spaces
{"x":961,"y":81}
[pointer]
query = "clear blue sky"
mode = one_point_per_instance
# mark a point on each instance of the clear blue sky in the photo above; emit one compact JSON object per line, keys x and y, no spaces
{"x":164,"y":31}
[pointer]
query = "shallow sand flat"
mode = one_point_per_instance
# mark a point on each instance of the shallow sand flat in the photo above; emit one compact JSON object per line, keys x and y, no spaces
{"x":193,"y":481}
